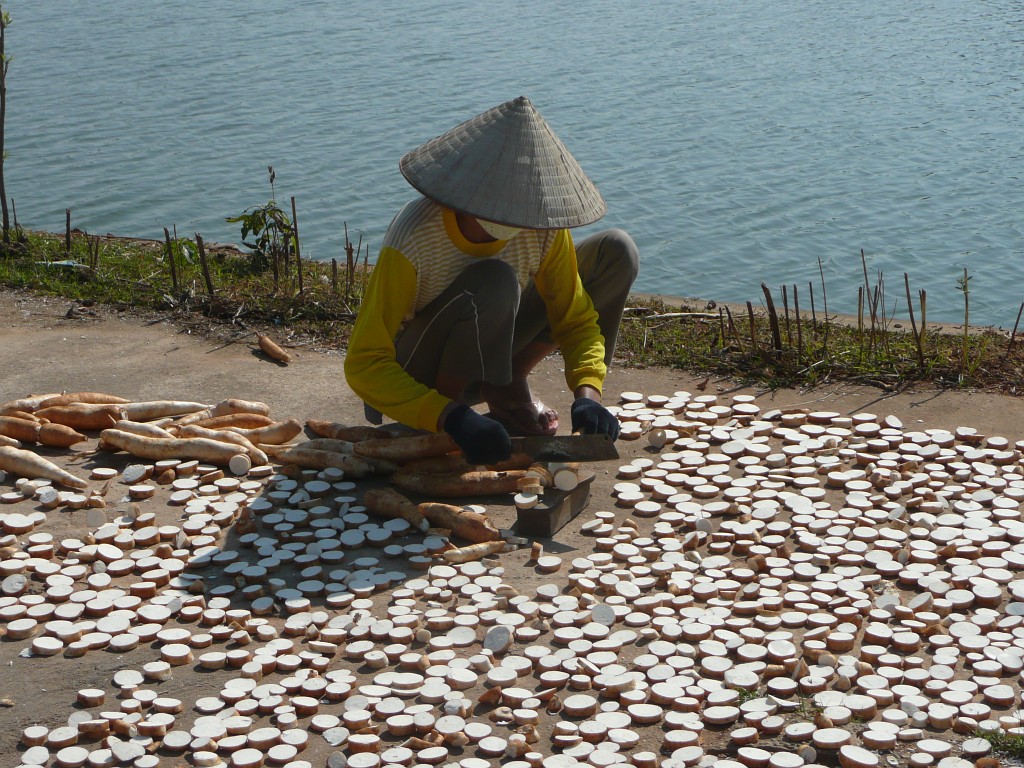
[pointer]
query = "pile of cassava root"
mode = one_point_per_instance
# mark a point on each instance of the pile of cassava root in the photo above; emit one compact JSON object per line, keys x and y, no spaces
{"x":227,"y":434}
{"x":239,"y":435}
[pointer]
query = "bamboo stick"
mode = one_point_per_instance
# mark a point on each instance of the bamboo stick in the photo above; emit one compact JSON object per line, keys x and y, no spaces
{"x":860,"y":318}
{"x":773,"y":318}
{"x":799,"y":329}
{"x":923,"y":294}
{"x":298,"y":254}
{"x":824,"y":299}
{"x":732,"y":329}
{"x":203,"y":263}
{"x":1013,"y":336}
{"x":913,"y":323}
{"x":350,"y":269}
{"x":170,"y":261}
{"x":814,"y":314}
{"x":967,"y":320}
{"x":753,"y":327}
{"x":785,"y":309}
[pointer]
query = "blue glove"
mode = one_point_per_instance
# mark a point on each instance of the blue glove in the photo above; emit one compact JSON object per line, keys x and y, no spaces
{"x":592,"y":418}
{"x":482,"y":440}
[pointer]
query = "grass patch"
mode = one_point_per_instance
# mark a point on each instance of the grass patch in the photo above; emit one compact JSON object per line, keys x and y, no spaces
{"x":1003,"y":743}
{"x":773,"y":343}
{"x":748,"y":694}
{"x":130,"y":273}
{"x":655,"y":333}
{"x":807,"y":709}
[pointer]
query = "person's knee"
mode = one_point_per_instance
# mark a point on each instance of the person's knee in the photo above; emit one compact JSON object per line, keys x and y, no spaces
{"x":493,"y":281}
{"x":622,"y":252}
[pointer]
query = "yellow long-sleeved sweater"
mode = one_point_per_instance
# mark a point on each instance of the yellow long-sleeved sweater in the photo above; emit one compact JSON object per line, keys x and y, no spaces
{"x":423,"y":252}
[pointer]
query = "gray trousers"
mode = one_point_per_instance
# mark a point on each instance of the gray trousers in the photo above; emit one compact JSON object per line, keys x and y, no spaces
{"x":478,"y":323}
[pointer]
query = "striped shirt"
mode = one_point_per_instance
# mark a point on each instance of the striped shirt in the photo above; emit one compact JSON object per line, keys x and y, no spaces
{"x":422,"y":233}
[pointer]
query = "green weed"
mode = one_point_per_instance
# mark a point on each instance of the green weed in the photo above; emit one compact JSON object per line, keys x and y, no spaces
{"x":1003,"y":743}
{"x":804,"y":347}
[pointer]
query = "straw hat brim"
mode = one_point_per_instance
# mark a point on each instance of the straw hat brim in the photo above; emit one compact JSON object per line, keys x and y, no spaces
{"x":506,"y":165}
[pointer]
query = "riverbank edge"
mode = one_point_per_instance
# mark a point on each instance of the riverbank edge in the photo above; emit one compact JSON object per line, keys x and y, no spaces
{"x":770,"y":343}
{"x":900,"y":322}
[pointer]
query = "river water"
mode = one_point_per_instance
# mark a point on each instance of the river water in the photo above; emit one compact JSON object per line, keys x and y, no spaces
{"x":738,"y":142}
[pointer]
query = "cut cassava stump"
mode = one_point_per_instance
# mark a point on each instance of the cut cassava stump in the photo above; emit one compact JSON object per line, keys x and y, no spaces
{"x":555,"y":509}
{"x":498,"y":639}
{"x":240,"y":464}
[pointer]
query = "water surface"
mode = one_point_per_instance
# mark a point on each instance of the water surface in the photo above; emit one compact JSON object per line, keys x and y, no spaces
{"x":737,"y":142}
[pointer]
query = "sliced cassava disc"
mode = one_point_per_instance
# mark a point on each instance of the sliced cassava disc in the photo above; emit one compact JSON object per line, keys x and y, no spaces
{"x":176,"y":741}
{"x":21,"y":629}
{"x":247,"y":758}
{"x":34,"y":735}
{"x":831,"y":738}
{"x":852,"y":756}
{"x":47,"y":646}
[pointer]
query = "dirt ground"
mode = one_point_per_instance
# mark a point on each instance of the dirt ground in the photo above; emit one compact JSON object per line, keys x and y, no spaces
{"x":149,"y":357}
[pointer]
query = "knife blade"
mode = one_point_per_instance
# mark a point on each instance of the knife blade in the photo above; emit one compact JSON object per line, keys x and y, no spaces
{"x":566,"y":447}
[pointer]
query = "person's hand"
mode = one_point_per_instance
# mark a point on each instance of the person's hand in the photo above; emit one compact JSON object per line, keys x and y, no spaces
{"x":482,"y":440}
{"x":592,"y":418}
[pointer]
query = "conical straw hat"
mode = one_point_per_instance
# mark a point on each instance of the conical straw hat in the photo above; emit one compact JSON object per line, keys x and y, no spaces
{"x":506,"y":165}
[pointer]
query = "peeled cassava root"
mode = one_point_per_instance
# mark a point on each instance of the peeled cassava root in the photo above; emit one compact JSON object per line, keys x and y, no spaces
{"x":69,"y":398}
{"x":455,"y":463}
{"x":387,"y":502}
{"x":20,"y":429}
{"x":58,"y":436}
{"x":158,"y":409}
{"x":464,"y":523}
{"x":88,"y":416}
{"x":225,"y":407}
{"x":327,"y":444}
{"x":24,"y":463}
{"x":29,"y":403}
{"x":310,"y":458}
{"x":482,"y":483}
{"x":148,"y":430}
{"x":448,"y":464}
{"x":353,"y":434}
{"x":473,"y":552}
{"x":239,"y":420}
{"x":256,"y":456}
{"x":25,"y":416}
{"x":275,"y":433}
{"x":199,"y":448}
{"x":430,"y":452}
{"x":271,"y":349}
{"x":402,"y":449}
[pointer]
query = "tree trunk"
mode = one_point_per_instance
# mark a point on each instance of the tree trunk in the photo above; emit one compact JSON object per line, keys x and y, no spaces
{"x":4,"y":64}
